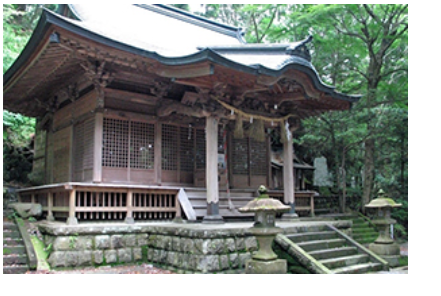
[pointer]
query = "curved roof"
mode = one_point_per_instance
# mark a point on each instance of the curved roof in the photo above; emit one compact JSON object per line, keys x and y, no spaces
{"x":173,"y":38}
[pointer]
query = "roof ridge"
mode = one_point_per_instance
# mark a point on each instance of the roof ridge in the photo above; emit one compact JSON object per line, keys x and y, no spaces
{"x":195,"y":20}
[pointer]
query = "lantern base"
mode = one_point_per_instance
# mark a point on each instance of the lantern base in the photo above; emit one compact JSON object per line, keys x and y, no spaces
{"x":278,"y":266}
{"x":389,"y":252}
{"x":393,"y":260}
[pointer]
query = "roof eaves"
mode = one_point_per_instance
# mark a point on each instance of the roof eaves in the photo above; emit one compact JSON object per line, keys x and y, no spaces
{"x":48,"y":18}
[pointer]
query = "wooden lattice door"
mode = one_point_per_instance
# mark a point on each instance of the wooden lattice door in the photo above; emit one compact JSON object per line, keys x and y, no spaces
{"x":249,"y":163}
{"x":177,"y":154}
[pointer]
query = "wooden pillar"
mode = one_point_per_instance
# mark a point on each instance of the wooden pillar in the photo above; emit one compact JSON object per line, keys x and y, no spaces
{"x":98,"y":148}
{"x":211,"y":171}
{"x":312,"y":205}
{"x":50,"y":204}
{"x":129,"y":217}
{"x":72,"y":220}
{"x":288,"y":179}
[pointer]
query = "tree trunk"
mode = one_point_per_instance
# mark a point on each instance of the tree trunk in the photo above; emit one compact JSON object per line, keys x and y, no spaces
{"x":343,"y":182}
{"x":368,"y":172}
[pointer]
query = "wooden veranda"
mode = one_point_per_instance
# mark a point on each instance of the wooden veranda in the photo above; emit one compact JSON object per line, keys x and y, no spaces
{"x":81,"y":202}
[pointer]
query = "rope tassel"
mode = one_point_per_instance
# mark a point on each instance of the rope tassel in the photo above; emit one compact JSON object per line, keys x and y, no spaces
{"x":257,"y":131}
{"x":238,"y":128}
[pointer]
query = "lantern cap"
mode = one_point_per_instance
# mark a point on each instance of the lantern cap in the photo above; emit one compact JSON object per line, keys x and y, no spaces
{"x":382,"y":201}
{"x":264,"y":203}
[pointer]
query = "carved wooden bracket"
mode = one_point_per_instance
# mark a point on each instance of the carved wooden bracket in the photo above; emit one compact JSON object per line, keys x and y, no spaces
{"x":160,"y":89}
{"x":99,"y":77}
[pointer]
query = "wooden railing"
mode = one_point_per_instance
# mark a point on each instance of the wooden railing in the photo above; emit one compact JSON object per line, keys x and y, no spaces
{"x":86,"y":202}
{"x":304,"y":200}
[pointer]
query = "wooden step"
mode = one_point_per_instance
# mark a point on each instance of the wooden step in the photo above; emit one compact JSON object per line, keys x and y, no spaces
{"x":203,"y":194}
{"x":333,"y":253}
{"x":322,"y":244}
{"x":358,"y":268}
{"x":311,"y":236}
{"x":338,"y":262}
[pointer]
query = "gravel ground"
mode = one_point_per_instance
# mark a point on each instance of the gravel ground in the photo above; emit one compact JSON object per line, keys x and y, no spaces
{"x":126,"y":269}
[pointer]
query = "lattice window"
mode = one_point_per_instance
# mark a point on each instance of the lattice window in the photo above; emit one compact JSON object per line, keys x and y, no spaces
{"x":186,"y":150}
{"x":169,"y":147}
{"x":258,"y":158}
{"x":115,"y":142}
{"x":142,"y":148}
{"x":240,"y":156}
{"x":200,"y":149}
{"x":89,"y":126}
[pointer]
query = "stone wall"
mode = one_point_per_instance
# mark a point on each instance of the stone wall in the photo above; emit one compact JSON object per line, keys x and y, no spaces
{"x":184,"y":250}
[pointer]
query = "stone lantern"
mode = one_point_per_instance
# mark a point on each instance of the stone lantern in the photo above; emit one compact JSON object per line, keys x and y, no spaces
{"x":264,"y":229}
{"x":384,"y":245}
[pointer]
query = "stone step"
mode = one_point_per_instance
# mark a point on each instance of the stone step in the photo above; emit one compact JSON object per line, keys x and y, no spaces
{"x":322,"y":244}
{"x":11,"y":234}
{"x":311,"y":236}
{"x":9,"y":226}
{"x":338,"y":262}
{"x":14,"y":259}
{"x":358,"y":268}
{"x":363,"y":230}
{"x":366,"y":240}
{"x":364,"y":235}
{"x":18,"y":269}
{"x":11,"y":242}
{"x":333,"y":253}
{"x":19,"y":249}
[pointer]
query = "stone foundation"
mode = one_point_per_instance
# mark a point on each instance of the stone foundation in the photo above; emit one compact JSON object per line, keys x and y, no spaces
{"x":180,"y":247}
{"x":184,"y":250}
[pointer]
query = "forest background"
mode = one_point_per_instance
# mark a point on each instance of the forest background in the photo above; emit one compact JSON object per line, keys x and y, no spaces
{"x":358,"y":49}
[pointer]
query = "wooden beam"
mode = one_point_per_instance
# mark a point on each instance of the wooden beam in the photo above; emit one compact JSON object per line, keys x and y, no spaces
{"x":131,"y":96}
{"x":189,"y":71}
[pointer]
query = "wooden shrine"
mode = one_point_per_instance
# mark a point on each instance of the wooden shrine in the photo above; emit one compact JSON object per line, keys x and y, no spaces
{"x":149,"y":112}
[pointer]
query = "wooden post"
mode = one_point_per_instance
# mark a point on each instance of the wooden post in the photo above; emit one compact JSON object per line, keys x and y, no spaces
{"x":50,"y":203}
{"x":129,"y":217}
{"x":312,"y":205}
{"x":288,"y":179}
{"x":72,"y":220}
{"x":98,"y":148}
{"x":33,"y":198}
{"x":211,"y":171}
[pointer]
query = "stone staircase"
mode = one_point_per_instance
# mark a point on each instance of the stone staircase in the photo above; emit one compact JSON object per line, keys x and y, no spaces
{"x":15,"y":260}
{"x":328,"y":250}
{"x":362,"y":231}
